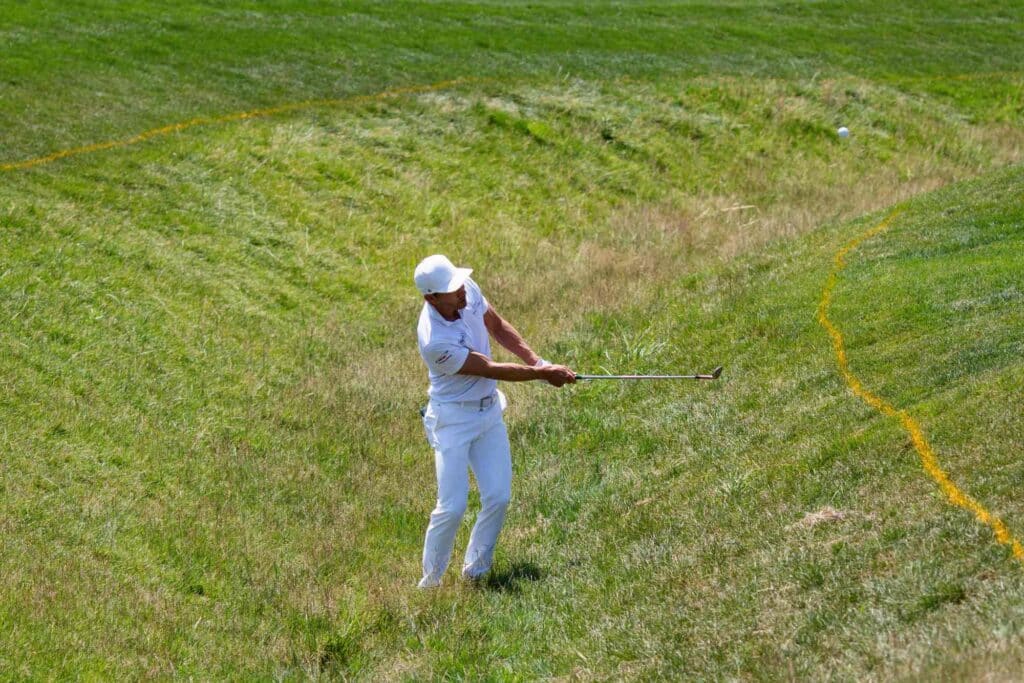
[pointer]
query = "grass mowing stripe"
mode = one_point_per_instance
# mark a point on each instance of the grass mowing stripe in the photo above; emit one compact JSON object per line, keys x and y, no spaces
{"x":228,"y":118}
{"x":929,"y":460}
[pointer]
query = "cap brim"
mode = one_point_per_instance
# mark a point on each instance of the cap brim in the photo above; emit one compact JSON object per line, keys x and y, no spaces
{"x":459,"y":279}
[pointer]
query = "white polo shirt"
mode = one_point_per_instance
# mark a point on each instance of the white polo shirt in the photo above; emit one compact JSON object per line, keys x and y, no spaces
{"x":445,"y":345}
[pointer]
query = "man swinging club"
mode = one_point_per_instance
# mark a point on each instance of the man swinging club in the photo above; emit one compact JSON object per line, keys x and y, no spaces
{"x":463,"y":419}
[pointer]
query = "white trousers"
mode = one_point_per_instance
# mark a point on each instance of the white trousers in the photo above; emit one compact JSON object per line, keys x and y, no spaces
{"x":463,"y":438}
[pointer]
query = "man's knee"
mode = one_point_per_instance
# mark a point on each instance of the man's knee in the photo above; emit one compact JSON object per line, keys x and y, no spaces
{"x":496,"y":499}
{"x":449,"y":509}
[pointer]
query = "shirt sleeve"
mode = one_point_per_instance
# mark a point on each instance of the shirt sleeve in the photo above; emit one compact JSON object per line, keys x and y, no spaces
{"x":445,"y":359}
{"x":474,"y":290}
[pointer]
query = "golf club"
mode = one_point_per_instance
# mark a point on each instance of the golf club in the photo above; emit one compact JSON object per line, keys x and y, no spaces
{"x":715,"y":374}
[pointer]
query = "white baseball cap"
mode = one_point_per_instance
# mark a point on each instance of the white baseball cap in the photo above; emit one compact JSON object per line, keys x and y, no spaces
{"x":437,"y":275}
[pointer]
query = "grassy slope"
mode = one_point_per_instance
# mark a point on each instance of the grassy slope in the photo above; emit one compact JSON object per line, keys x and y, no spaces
{"x":207,"y":474}
{"x":87,"y":71}
{"x":932,"y":316}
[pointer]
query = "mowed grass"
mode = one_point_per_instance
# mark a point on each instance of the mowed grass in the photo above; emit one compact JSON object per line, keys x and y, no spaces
{"x":213,"y":463}
{"x":899,"y":586}
{"x":87,"y":71}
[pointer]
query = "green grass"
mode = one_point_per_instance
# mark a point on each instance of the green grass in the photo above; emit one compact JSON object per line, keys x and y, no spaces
{"x":901,"y":584}
{"x":212,"y":463}
{"x":88,"y":71}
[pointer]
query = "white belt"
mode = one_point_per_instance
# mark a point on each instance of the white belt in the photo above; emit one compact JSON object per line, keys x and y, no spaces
{"x":480,"y":404}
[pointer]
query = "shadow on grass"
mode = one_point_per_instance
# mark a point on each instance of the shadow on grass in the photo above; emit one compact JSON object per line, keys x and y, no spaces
{"x":509,"y":579}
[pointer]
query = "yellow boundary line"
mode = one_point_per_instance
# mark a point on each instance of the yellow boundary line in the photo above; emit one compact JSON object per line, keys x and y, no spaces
{"x":227,"y":118}
{"x":928,"y":458}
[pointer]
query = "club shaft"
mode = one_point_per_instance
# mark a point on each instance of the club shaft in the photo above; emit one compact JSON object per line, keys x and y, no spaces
{"x":644,"y":377}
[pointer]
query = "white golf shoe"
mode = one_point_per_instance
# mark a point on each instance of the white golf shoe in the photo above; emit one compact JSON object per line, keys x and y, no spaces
{"x":471,"y":574}
{"x":429,"y":582}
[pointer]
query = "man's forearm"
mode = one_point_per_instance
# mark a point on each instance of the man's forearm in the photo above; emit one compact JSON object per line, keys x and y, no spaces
{"x":511,"y":372}
{"x":510,"y":339}
{"x":481,"y":366}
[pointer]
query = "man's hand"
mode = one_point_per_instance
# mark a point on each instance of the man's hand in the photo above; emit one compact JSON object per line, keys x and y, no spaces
{"x":557,"y":375}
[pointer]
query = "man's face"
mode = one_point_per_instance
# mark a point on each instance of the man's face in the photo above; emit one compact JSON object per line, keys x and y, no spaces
{"x":452,"y":301}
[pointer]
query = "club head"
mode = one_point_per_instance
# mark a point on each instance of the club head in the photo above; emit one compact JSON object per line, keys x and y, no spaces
{"x":716,"y":373}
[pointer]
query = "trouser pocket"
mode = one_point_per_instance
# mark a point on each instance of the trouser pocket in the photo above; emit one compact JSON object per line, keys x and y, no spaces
{"x":429,"y":417}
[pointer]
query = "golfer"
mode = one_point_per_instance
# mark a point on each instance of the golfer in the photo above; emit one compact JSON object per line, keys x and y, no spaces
{"x":463,"y":419}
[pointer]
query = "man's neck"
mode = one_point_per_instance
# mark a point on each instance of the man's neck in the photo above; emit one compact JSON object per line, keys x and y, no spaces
{"x":452,"y":317}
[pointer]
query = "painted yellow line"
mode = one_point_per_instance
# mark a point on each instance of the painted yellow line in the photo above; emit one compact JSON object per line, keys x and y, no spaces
{"x":929,"y":460}
{"x":240,"y":116}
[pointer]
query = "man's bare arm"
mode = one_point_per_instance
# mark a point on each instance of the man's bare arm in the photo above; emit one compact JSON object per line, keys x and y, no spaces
{"x":508,"y":336}
{"x":482,"y":366}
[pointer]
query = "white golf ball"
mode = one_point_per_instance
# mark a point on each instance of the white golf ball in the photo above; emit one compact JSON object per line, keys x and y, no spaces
{"x":843,"y":132}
